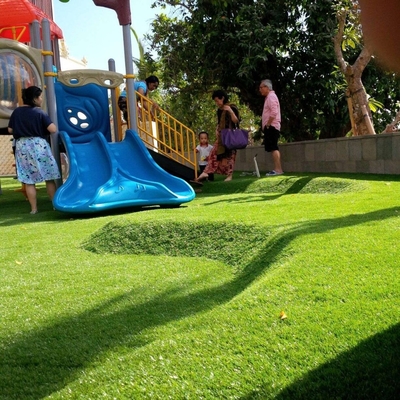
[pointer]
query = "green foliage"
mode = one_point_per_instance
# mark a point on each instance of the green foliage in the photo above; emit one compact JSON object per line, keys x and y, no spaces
{"x":384,"y":88}
{"x":141,"y":61}
{"x":374,"y":104}
{"x":243,"y":42}
{"x":234,"y":44}
{"x":198,"y":110}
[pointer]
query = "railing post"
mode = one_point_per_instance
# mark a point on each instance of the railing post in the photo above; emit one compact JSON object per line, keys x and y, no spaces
{"x":50,"y":92}
{"x":130,"y":90}
{"x":114,"y":106}
{"x":123,"y":10}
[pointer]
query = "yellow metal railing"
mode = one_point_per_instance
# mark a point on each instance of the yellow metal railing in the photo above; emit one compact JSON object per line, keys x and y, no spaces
{"x":164,"y":134}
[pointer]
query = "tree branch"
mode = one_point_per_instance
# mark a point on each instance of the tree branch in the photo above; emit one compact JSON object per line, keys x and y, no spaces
{"x":392,"y":126}
{"x":363,"y":59}
{"x":174,"y":3}
{"x":337,"y":41}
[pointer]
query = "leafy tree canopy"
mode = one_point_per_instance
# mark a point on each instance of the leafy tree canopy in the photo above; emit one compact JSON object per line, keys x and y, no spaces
{"x":233,"y":44}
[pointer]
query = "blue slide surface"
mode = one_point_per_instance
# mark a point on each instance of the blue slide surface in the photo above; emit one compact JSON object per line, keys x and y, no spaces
{"x":105,"y":175}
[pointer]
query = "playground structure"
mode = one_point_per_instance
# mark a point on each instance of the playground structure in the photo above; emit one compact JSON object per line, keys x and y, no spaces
{"x":109,"y":167}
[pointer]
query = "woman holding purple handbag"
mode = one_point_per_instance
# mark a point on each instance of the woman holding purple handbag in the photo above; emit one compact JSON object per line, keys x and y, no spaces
{"x":222,"y":160}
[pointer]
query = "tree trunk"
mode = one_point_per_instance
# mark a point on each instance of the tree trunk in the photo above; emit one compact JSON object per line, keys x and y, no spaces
{"x":359,"y":99}
{"x":355,"y":87}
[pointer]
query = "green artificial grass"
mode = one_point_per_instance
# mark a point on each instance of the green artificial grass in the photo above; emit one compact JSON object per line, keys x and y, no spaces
{"x":187,"y":303}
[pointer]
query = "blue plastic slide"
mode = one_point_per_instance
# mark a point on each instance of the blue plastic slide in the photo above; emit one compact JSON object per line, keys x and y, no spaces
{"x":105,"y":175}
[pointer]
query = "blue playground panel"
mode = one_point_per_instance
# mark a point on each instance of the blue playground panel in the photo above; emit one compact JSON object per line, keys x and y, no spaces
{"x":82,"y":111}
{"x":105,"y":175}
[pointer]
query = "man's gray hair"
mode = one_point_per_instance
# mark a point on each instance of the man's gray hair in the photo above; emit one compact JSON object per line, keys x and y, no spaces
{"x":267,"y":83}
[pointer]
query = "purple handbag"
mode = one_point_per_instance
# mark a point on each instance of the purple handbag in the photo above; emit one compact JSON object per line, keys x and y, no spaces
{"x":233,"y":139}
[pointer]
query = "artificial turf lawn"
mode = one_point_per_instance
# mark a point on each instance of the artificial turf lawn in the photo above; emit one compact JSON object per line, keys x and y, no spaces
{"x":186,"y":303}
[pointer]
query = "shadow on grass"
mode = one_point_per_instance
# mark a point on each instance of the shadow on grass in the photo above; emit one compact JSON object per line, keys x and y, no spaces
{"x":43,"y":361}
{"x":14,"y":210}
{"x":294,"y":187}
{"x":369,"y":371}
{"x":14,"y":207}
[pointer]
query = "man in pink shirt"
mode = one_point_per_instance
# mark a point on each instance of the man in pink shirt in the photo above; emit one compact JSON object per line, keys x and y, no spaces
{"x":271,"y":125}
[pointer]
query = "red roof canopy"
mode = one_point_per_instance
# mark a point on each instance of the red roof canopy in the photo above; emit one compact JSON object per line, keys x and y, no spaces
{"x":15,"y":17}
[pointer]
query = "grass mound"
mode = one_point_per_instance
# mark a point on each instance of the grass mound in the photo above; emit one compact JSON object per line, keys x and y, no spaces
{"x":331,"y":186}
{"x":287,"y":184}
{"x":233,"y":244}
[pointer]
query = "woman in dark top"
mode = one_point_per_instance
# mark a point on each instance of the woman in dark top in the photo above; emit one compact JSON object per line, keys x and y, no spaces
{"x":30,"y":127}
{"x":221,"y":160}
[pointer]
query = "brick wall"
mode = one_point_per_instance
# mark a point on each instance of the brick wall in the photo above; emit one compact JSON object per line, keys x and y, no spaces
{"x":374,"y":154}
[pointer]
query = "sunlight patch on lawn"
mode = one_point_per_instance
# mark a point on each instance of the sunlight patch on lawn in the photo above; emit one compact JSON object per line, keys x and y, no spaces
{"x":306,"y":184}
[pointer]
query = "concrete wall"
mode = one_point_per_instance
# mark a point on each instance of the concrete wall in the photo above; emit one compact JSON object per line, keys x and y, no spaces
{"x":372,"y":154}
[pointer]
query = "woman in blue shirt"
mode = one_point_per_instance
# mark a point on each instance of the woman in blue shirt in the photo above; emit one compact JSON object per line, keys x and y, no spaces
{"x":143,"y":87}
{"x":31,"y":127}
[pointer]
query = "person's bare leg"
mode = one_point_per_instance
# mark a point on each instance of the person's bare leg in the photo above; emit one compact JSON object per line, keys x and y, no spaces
{"x":276,"y":159}
{"x":51,"y":189}
{"x":228,"y":178}
{"x":31,"y":195}
{"x":201,"y":177}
